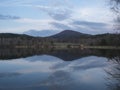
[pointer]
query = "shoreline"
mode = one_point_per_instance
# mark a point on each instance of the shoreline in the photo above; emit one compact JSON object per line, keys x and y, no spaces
{"x":70,"y":47}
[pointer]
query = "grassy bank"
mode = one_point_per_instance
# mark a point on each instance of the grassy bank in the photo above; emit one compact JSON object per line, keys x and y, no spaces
{"x":72,"y":45}
{"x":102,"y":47}
{"x":67,"y":46}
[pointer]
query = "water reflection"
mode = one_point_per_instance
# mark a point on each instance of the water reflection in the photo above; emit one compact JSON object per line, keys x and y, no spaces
{"x":59,"y":80}
{"x":83,"y":63}
{"x":66,"y":54}
{"x":60,"y":70}
{"x":2,"y":75}
{"x":114,"y":74}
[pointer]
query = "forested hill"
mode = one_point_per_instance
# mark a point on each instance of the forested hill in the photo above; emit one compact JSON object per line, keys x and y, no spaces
{"x":11,"y":35}
{"x":67,"y":36}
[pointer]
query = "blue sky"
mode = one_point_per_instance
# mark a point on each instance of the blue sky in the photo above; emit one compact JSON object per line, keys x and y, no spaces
{"x":87,"y":16}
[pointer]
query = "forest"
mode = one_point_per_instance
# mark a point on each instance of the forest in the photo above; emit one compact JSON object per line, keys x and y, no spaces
{"x":8,"y":40}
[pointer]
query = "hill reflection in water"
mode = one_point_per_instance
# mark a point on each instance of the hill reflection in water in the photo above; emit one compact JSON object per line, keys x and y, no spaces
{"x":64,"y":54}
{"x":26,"y":69}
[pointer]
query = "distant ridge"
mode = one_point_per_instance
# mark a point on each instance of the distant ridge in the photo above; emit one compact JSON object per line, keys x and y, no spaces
{"x":69,"y":34}
{"x":42,"y":33}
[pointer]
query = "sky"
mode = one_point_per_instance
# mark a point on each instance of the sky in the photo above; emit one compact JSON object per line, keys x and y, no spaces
{"x":86,"y":16}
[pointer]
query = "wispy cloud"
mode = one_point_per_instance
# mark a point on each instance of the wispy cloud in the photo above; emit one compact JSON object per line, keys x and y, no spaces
{"x":91,"y":27}
{"x":13,"y":3}
{"x":58,"y":10}
{"x":25,"y":24}
{"x":62,"y":15}
{"x":61,"y":26}
{"x":93,"y":14}
{"x":89,"y":24}
{"x":8,"y":17}
{"x":83,"y":26}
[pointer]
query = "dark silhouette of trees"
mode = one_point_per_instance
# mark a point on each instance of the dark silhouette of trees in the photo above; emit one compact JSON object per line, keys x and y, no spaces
{"x":24,"y":41}
{"x":103,"y":42}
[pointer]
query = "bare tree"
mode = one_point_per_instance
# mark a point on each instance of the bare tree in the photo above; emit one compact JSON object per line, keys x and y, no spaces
{"x":115,"y":6}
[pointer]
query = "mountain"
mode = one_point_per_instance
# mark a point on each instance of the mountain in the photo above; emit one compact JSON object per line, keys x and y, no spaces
{"x":67,"y":34}
{"x":43,"y":33}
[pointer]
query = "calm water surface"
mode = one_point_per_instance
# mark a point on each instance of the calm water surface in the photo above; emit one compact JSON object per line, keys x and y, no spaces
{"x":61,"y":71}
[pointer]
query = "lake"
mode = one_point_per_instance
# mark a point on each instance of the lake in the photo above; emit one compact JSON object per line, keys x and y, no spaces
{"x":59,"y":69}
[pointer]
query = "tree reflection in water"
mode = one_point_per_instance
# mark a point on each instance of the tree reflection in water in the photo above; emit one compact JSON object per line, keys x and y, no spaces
{"x":114,"y":74}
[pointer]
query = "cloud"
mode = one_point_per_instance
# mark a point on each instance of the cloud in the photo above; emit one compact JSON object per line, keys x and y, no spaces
{"x":60,"y":13}
{"x":83,"y":26}
{"x":14,"y":3}
{"x":24,"y":24}
{"x":58,"y":9}
{"x":89,"y":24}
{"x":93,"y":14}
{"x":60,"y":25}
{"x":57,"y":13}
{"x":62,"y":16}
{"x":32,"y":21}
{"x":8,"y":17}
{"x":91,"y":27}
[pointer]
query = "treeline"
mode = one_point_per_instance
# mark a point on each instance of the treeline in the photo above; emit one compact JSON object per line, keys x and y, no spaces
{"x":92,"y":40}
{"x":25,"y":41}
{"x":18,"y":40}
